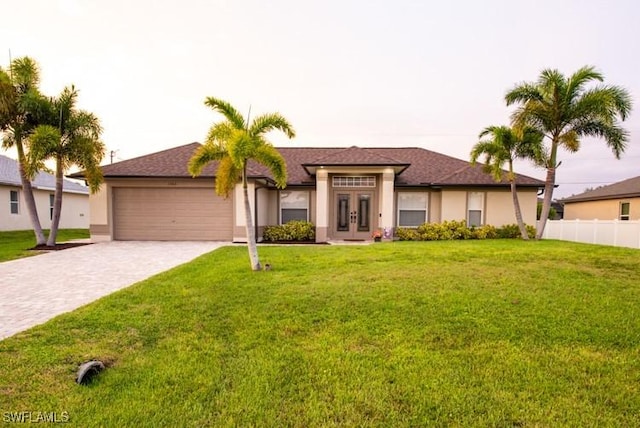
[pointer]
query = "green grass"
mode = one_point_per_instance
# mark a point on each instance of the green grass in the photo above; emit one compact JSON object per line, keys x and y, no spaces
{"x":16,"y":244}
{"x":472,"y":333}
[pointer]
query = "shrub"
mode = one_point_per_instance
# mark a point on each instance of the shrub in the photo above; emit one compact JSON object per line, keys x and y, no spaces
{"x":407,"y":234}
{"x":510,"y":231}
{"x":444,"y":231}
{"x":295,"y":230}
{"x":484,"y":232}
{"x":451,"y":230}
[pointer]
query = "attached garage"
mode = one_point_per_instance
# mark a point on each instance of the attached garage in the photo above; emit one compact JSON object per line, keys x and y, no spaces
{"x":171,"y":214}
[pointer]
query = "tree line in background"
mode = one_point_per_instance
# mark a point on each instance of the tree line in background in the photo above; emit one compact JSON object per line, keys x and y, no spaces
{"x":551,"y":113}
{"x":43,"y":128}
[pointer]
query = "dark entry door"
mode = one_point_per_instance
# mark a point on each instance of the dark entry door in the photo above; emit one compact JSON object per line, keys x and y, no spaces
{"x":353,"y":214}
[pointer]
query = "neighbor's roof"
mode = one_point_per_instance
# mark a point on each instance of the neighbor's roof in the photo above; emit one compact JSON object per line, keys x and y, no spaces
{"x":10,"y":175}
{"x":629,"y":188}
{"x":414,"y":166}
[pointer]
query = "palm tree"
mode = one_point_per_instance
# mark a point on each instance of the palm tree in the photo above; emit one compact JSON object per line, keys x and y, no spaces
{"x":565,"y":110}
{"x":505,"y":146}
{"x":74,"y":140}
{"x":20,"y":102}
{"x":233,"y":142}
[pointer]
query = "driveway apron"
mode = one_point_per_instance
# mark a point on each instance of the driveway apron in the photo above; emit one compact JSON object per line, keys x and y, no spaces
{"x":36,"y":289}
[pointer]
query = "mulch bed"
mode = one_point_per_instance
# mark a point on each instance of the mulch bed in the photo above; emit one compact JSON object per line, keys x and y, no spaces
{"x":58,"y":247}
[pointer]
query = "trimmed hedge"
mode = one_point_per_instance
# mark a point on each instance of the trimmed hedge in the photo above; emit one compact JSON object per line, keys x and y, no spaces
{"x":295,"y":230}
{"x":452,"y":230}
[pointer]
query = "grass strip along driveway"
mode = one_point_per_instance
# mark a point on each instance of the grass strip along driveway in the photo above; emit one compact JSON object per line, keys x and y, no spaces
{"x":473,"y":333}
{"x":17,"y":244}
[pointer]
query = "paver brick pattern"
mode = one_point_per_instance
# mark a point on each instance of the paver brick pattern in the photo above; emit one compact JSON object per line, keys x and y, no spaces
{"x":36,"y":289}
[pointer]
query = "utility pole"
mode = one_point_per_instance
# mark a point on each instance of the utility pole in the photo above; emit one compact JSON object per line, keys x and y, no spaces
{"x":112,"y":154}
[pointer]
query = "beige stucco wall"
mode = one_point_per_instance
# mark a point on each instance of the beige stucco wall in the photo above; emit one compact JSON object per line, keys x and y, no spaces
{"x":453,"y":205}
{"x":601,"y":210}
{"x":500,"y":210}
{"x":75,"y":210}
{"x":498,"y":205}
{"x":435,"y":207}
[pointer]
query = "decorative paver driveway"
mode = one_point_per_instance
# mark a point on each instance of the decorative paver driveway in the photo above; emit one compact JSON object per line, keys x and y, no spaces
{"x":36,"y":289}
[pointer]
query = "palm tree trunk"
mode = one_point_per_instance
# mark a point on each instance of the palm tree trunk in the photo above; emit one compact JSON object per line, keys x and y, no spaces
{"x":546,"y":203}
{"x":516,"y":206}
{"x":57,"y":205}
{"x":29,"y":200}
{"x":251,"y":233}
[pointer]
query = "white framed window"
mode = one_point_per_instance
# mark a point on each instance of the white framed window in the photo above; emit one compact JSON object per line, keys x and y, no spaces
{"x":294,"y":205}
{"x":625,"y":210}
{"x":475,"y":208}
{"x":51,"y":199}
{"x":14,"y":202}
{"x":412,"y":208}
{"x":354,"y":181}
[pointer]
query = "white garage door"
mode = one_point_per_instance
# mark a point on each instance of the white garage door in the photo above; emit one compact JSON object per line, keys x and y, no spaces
{"x":171,"y":214}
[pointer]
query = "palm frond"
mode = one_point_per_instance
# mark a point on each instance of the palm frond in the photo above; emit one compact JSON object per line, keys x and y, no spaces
{"x":614,"y":135}
{"x":227,"y":176}
{"x":219,"y":134}
{"x":24,"y":73}
{"x":269,"y":122}
{"x":43,"y":144}
{"x":227,"y":110}
{"x":576,"y":82}
{"x":268,"y":156}
{"x":203,"y":155}
{"x":522,"y":93}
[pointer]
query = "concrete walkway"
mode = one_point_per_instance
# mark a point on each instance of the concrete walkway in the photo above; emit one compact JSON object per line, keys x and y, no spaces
{"x":36,"y":289}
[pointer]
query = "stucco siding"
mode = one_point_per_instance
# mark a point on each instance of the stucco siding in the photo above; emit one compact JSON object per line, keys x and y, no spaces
{"x":453,"y":205}
{"x":75,"y":210}
{"x":601,"y":210}
{"x":500,"y":210}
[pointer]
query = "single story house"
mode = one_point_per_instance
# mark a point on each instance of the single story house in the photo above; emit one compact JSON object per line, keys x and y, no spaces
{"x":348,"y":193}
{"x":13,"y":213}
{"x":617,"y":201}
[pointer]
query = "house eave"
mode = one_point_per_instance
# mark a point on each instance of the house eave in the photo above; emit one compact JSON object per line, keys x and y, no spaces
{"x":312,"y":168}
{"x":600,"y":198}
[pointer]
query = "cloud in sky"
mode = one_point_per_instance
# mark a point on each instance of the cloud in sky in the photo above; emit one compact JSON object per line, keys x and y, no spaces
{"x":377,"y":73}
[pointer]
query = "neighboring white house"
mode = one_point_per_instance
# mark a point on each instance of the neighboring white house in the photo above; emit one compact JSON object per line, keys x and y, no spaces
{"x":13,"y":211}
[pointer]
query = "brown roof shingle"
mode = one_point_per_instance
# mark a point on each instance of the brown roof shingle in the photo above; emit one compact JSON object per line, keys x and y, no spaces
{"x":423,"y":167}
{"x":628,"y":188}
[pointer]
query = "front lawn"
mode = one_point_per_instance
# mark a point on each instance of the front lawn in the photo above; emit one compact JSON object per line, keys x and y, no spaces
{"x":469,"y":333}
{"x":17,"y":244}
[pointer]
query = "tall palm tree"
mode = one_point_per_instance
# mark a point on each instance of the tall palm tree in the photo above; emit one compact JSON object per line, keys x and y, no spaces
{"x":233,"y":142}
{"x":20,"y":102}
{"x":505,"y":146}
{"x":565,"y":110}
{"x":72,"y":137}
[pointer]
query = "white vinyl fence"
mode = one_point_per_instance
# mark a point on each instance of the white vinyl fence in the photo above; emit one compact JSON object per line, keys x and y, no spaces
{"x":604,"y":232}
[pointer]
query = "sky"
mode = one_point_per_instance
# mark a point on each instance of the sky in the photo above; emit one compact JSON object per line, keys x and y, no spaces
{"x":399,"y":73}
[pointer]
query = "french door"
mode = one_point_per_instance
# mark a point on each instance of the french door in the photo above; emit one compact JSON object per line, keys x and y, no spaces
{"x":353,"y":214}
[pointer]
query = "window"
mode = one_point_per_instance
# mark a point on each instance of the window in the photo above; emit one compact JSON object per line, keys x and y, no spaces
{"x":412,"y":208}
{"x":294,"y":205}
{"x":51,"y":199}
{"x":475,"y":204}
{"x":354,"y":181}
{"x":14,"y":203}
{"x":625,"y":209}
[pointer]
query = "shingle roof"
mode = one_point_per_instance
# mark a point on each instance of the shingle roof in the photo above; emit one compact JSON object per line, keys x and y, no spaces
{"x":628,"y":188}
{"x":10,"y":175}
{"x":423,"y":167}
